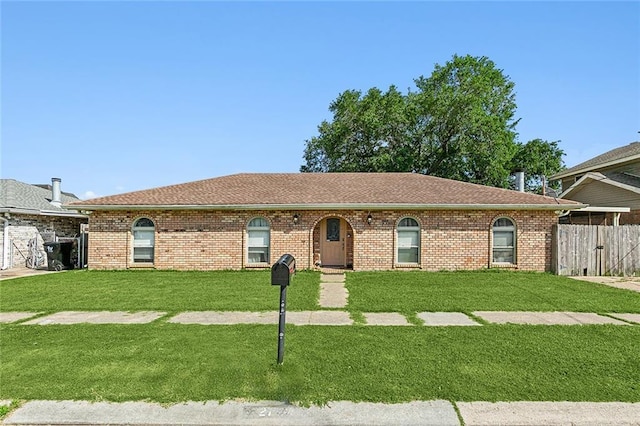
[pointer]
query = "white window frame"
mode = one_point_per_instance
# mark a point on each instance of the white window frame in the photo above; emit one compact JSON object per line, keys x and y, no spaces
{"x":513,"y":247}
{"x":407,"y":229}
{"x":258,"y":228}
{"x":139,"y":260}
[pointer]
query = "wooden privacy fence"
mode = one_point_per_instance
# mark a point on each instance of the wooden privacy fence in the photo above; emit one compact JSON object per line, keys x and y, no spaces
{"x":596,"y":250}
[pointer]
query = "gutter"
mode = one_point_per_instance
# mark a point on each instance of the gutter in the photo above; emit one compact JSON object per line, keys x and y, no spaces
{"x":5,"y":243}
{"x":605,"y":209}
{"x":354,"y":206}
{"x":64,"y":214}
{"x":70,"y":213}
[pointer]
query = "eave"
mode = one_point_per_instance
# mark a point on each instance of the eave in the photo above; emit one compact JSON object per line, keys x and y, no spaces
{"x":346,"y":206}
{"x":70,"y":213}
{"x":597,"y":209}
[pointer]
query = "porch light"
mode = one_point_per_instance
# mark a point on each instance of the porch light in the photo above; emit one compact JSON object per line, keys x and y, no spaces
{"x":369,"y":218}
{"x":296,"y":219}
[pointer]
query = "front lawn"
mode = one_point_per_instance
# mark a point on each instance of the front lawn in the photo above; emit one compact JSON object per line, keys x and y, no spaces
{"x":405,"y":291}
{"x":167,"y":291}
{"x":173,"y":362}
{"x":169,"y":362}
{"x":495,"y":290}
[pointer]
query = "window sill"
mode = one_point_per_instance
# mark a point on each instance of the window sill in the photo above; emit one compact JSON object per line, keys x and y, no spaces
{"x":257,"y":265}
{"x":504,"y":265}
{"x":407,"y":266}
{"x":141,"y":266}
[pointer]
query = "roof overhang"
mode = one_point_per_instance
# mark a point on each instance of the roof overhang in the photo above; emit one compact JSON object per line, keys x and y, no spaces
{"x":353,"y":206}
{"x":600,"y":178}
{"x":601,"y":166}
{"x":596,"y":209}
{"x":70,"y":213}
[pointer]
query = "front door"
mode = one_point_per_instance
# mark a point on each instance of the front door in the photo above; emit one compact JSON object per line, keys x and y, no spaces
{"x":332,"y":242}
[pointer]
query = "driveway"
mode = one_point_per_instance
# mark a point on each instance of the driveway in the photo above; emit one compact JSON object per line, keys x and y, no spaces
{"x":627,"y":283}
{"x":18,"y":272}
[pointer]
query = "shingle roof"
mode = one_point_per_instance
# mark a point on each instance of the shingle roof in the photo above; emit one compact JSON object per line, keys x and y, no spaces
{"x":309,"y":190}
{"x":15,"y":195}
{"x":625,"y":178}
{"x":617,"y":155}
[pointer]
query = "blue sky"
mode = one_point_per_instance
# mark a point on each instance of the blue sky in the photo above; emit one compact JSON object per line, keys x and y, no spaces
{"x":120,"y":96}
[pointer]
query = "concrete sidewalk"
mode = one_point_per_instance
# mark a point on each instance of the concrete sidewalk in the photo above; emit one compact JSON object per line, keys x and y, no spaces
{"x":334,"y":413}
{"x":322,"y":317}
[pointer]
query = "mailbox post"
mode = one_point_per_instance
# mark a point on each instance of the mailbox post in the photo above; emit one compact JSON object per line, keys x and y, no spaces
{"x":281,"y":273}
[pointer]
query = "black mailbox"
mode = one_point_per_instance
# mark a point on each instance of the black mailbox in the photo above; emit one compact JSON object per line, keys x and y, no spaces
{"x":283,"y":270}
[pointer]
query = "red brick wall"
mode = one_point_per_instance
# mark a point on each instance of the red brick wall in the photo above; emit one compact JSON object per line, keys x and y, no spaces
{"x":202,"y":240}
{"x":631,"y":218}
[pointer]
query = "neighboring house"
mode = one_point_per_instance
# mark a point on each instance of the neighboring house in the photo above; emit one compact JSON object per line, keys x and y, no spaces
{"x":609,"y":184}
{"x":32,"y":215}
{"x":364,"y":221}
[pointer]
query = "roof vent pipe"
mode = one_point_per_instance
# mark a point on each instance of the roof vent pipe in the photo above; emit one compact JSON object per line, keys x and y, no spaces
{"x":520,"y":180}
{"x":56,"y":194}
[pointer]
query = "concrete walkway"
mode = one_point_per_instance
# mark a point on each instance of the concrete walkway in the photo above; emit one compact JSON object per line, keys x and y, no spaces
{"x":101,"y":317}
{"x":326,"y":317}
{"x":333,"y":293}
{"x":334,"y":413}
{"x":547,"y":318}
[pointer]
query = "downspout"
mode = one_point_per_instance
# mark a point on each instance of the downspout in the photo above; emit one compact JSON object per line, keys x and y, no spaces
{"x":616,"y":219}
{"x":5,"y":244}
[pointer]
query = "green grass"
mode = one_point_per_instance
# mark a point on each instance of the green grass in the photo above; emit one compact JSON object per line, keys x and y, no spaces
{"x":167,"y":362}
{"x":168,"y":291}
{"x":172,"y":363}
{"x":410,"y":292}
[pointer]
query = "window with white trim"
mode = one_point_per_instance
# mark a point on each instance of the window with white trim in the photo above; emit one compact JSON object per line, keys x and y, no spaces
{"x":258,"y":241}
{"x":143,"y":240}
{"x":408,"y":232}
{"x":504,"y":241}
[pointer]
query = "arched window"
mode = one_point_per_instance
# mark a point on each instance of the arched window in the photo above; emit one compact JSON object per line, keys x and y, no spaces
{"x":504,"y":241}
{"x":143,"y":240}
{"x":408,"y":241}
{"x":258,"y":240}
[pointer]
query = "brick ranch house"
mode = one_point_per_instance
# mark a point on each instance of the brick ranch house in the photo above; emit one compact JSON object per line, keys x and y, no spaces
{"x":364,"y":221}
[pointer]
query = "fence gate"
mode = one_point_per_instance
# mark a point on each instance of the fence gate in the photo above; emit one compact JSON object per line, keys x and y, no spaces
{"x":596,"y":250}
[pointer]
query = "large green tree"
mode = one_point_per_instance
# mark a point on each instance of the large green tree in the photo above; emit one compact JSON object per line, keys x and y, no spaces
{"x":539,"y":159}
{"x":458,"y":124}
{"x":362,"y":135}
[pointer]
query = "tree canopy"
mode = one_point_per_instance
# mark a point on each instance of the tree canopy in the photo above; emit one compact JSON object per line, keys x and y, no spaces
{"x":459,"y":124}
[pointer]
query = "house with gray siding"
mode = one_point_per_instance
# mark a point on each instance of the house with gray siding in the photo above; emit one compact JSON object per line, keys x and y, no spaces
{"x":31,"y":215}
{"x":609,"y":183}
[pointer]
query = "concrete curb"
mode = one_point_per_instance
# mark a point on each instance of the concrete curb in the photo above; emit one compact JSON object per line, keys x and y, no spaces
{"x":549,"y":413}
{"x":337,"y":413}
{"x":340,"y":413}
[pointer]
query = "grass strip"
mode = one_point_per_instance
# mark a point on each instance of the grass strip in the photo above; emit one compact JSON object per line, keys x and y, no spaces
{"x":168,"y":291}
{"x":493,"y":290}
{"x":173,"y":363}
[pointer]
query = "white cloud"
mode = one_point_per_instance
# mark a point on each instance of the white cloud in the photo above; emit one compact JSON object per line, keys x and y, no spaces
{"x":89,"y":194}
